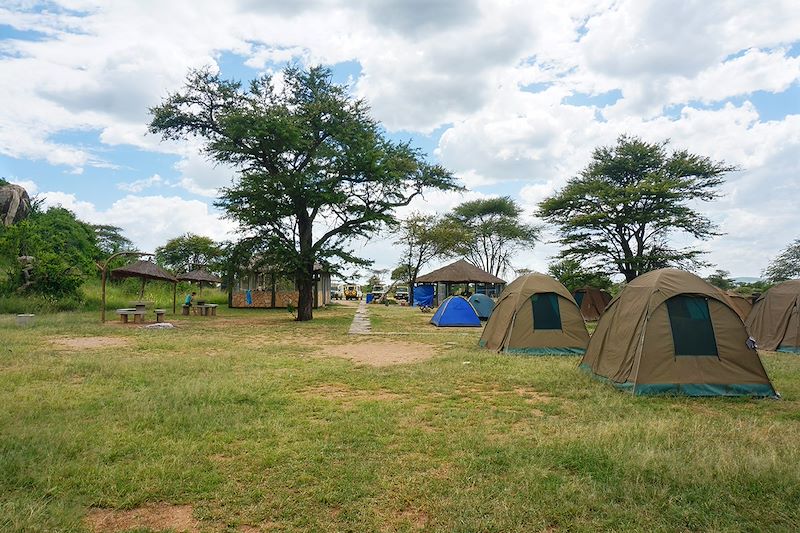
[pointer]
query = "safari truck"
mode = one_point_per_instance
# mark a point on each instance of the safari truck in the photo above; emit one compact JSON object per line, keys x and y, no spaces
{"x":352,"y":292}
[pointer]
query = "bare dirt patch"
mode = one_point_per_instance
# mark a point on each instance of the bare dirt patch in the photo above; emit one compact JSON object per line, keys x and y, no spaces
{"x":157,"y":517}
{"x":343,"y":392}
{"x":84,"y":343}
{"x":382,"y":353}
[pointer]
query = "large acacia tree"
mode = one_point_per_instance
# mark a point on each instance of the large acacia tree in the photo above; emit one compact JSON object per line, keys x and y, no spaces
{"x":492,"y":231}
{"x":786,"y":265}
{"x":420,"y":238}
{"x":618,"y":214}
{"x":314,"y":169}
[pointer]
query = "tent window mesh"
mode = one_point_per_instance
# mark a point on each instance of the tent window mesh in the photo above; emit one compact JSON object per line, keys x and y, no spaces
{"x":545,"y":311}
{"x":692,"y":331}
{"x":579,"y":298}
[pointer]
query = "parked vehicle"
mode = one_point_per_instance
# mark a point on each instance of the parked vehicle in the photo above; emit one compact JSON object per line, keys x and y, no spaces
{"x":352,"y":292}
{"x":401,"y":293}
{"x":377,"y":291}
{"x":337,"y":291}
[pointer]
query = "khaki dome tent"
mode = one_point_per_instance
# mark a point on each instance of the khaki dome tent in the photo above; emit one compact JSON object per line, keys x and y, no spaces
{"x":741,"y":304}
{"x":536,"y":314}
{"x":671,"y":332}
{"x":592,"y":302}
{"x":774,"y":321}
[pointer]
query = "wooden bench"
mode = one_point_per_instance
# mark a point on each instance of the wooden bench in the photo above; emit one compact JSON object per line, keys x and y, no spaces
{"x":160,"y":314}
{"x":125,"y":314}
{"x":211,"y":309}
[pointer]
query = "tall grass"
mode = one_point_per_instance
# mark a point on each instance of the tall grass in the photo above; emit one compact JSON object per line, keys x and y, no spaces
{"x":119,"y":294}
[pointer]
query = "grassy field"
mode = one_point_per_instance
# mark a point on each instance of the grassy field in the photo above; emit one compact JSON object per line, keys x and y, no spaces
{"x":252,"y":422}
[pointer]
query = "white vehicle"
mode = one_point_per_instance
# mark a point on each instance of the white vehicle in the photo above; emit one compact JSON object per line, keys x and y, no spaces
{"x":337,"y":291}
{"x":377,"y":291}
{"x":401,"y":293}
{"x":352,"y":292}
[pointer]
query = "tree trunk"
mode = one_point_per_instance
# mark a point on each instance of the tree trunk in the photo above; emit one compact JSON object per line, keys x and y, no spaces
{"x":305,"y":281}
{"x":305,"y":304}
{"x":411,"y":283}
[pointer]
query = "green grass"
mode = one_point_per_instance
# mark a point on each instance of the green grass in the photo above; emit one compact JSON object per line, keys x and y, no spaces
{"x":242,"y":418}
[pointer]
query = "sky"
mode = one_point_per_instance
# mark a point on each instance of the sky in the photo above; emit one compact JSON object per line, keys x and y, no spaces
{"x":511,"y":96}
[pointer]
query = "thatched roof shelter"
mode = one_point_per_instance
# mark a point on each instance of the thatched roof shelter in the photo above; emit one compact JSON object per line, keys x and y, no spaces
{"x":459,"y":272}
{"x":143,"y":269}
{"x":146,"y":270}
{"x":200,"y":276}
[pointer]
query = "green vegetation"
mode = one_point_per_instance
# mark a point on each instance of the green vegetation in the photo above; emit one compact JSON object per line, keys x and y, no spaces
{"x":246,"y":419}
{"x":786,"y":265}
{"x":189,"y":252}
{"x":303,"y":151}
{"x":619,"y":213}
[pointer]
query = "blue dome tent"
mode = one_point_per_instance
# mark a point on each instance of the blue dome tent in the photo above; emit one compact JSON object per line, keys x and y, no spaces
{"x":455,"y":311}
{"x":483,"y":305}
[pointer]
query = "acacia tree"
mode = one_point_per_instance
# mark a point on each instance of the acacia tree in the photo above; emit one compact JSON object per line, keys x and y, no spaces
{"x":421,"y":238}
{"x":573,"y":276}
{"x":722,"y":280}
{"x":491,"y":232}
{"x":189,"y":252}
{"x":313,"y":168}
{"x":618,"y":214}
{"x":786,"y":265}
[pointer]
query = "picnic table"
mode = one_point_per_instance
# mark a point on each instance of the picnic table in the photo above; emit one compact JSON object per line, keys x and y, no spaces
{"x":206,"y":309}
{"x":138,"y":313}
{"x":125,"y":314}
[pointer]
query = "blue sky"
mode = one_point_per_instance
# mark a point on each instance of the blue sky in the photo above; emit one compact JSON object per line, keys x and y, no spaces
{"x":512,"y":97}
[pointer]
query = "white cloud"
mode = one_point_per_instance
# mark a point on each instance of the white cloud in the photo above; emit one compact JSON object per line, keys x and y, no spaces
{"x":148,"y":221}
{"x":140,"y":185}
{"x":427,"y":64}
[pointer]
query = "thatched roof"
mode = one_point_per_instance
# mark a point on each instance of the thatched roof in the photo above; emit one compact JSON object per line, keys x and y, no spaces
{"x":143,"y":269}
{"x":199,"y":275}
{"x":459,"y":272}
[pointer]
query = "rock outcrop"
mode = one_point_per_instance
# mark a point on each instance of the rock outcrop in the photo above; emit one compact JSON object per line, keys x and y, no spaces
{"x":15,"y":204}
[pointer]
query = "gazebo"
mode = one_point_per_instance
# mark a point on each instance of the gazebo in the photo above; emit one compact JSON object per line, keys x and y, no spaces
{"x":462,"y":273}
{"x":199,"y":276}
{"x":146,"y":270}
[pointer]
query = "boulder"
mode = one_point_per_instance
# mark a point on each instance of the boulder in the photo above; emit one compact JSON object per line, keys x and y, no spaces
{"x":15,"y":204}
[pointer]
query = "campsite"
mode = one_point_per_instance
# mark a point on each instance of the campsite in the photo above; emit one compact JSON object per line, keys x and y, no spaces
{"x":253,"y":418}
{"x":399,"y":266}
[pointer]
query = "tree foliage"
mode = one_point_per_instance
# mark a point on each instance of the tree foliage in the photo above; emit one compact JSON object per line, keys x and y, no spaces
{"x":314,"y":170}
{"x":786,"y":265}
{"x":491,"y":232}
{"x":110,"y":239}
{"x":722,"y":280}
{"x":573,"y":276}
{"x":421,"y":238}
{"x":189,"y":252}
{"x":619,"y":213}
{"x":63,"y":248}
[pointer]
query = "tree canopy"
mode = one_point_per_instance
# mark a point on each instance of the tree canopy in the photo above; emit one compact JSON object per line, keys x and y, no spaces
{"x":314,"y":170}
{"x":189,"y":252}
{"x":722,"y":280}
{"x":573,"y":276}
{"x":618,"y":214}
{"x":420,"y":239}
{"x":63,"y":249}
{"x":492,"y":231}
{"x":786,"y":265}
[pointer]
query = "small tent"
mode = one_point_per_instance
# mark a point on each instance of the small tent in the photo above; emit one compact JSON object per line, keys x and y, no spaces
{"x":455,"y":311}
{"x":774,"y":321}
{"x":670,"y":332}
{"x":741,"y":304}
{"x":483,"y":305}
{"x":535,"y":314}
{"x":592,"y":302}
